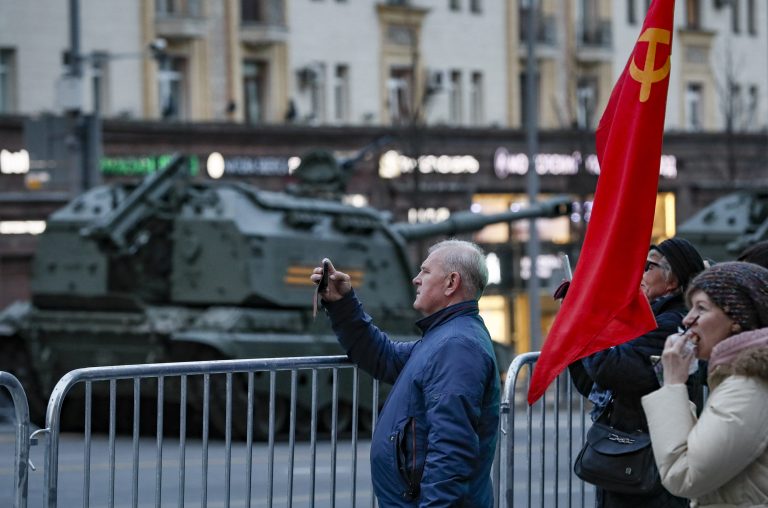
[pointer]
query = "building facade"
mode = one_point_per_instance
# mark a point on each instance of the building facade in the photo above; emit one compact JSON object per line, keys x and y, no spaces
{"x":256,"y":84}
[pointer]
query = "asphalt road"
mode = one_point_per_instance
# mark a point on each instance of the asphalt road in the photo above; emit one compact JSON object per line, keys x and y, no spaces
{"x":120,"y":486}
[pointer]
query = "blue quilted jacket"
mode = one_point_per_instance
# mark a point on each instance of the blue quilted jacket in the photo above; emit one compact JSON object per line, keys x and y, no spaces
{"x":435,"y":438}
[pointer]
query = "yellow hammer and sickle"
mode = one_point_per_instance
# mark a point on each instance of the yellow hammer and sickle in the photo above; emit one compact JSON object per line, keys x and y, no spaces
{"x":648,"y":75}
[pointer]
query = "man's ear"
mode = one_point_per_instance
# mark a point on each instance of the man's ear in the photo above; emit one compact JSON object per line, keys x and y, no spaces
{"x":453,"y":283}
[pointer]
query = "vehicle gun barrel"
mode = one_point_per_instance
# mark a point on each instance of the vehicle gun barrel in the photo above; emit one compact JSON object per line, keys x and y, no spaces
{"x":464,"y":222}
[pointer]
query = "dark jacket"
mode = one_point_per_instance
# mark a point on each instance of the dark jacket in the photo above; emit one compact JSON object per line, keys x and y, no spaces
{"x":435,"y":438}
{"x":626,"y":371}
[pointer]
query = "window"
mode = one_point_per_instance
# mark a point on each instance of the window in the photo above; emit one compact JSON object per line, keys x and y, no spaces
{"x":454,"y":5}
{"x":693,"y":14}
{"x":7,"y":81}
{"x":262,"y":11}
{"x":455,"y":105}
{"x":735,"y":106}
{"x":586,"y":95}
{"x":172,"y":85}
{"x":751,"y":17}
{"x":694,"y":104}
{"x":735,"y":22}
{"x":252,"y":11}
{"x":191,"y":8}
{"x":399,"y":94}
{"x":476,"y":6}
{"x":752,"y":107}
{"x":631,"y":12}
{"x":476,"y":99}
{"x":317,"y":94}
{"x":255,"y":74}
{"x":341,"y":93}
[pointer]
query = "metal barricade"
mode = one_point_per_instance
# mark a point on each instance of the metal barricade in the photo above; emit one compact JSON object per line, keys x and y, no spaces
{"x":536,"y":453}
{"x":21,"y":424}
{"x":213,"y":379}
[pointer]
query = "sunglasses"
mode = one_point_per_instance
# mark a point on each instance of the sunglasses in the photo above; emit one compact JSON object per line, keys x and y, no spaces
{"x":652,"y":264}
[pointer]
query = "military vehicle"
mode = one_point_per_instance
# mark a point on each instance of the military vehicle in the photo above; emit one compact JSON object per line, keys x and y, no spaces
{"x":176,"y":269}
{"x":729,"y":225}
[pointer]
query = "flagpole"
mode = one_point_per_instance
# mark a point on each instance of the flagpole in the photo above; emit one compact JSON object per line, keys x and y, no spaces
{"x":532,"y":139}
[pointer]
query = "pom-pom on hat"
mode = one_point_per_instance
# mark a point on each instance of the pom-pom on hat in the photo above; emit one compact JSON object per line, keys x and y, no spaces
{"x":739,"y":289}
{"x":682,"y":257}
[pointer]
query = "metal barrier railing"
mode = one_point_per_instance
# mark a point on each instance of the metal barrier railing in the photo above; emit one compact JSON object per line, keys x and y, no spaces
{"x":21,"y":424}
{"x":207,"y":377}
{"x":553,"y":431}
{"x":537,"y":473}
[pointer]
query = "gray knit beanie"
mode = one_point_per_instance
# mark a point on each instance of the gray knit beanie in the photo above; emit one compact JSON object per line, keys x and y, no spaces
{"x":739,"y":289}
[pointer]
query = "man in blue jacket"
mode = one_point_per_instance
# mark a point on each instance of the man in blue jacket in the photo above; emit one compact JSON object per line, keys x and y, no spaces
{"x":436,"y":435}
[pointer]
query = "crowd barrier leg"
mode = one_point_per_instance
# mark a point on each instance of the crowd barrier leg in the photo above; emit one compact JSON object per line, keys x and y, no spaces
{"x":21,"y":455}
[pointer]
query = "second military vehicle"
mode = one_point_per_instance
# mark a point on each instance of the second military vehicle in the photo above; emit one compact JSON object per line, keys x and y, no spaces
{"x":723,"y":229}
{"x":174,"y":269}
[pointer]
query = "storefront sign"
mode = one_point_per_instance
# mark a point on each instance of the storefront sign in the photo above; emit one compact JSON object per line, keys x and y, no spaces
{"x":217,"y":165}
{"x":141,"y":165}
{"x":506,"y":164}
{"x":22,"y":227}
{"x":14,"y":163}
{"x":392,"y":164}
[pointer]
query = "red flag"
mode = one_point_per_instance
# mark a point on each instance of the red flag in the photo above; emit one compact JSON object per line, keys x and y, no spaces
{"x":605,"y":306}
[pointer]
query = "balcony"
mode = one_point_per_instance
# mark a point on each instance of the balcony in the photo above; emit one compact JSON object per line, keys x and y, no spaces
{"x":263,"y":21}
{"x":179,"y":19}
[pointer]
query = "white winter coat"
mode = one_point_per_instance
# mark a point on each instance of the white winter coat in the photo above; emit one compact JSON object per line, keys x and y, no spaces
{"x":721,"y":460}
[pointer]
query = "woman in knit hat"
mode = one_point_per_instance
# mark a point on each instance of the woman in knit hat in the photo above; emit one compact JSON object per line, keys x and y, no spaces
{"x":721,"y":459}
{"x":616,"y":378}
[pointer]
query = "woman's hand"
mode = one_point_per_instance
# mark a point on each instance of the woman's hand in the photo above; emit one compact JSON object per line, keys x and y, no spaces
{"x":676,"y":359}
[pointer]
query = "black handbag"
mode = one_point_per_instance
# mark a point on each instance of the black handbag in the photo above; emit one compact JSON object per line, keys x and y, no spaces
{"x":618,"y":461}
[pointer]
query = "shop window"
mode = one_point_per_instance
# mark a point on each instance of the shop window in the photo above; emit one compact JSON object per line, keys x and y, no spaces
{"x":494,"y":309}
{"x":477,"y":99}
{"x":455,"y":103}
{"x":172,"y":87}
{"x":255,"y":74}
{"x":694,"y":104}
{"x":664,"y":218}
{"x":399,"y":94}
{"x":7,"y":81}
{"x":341,"y":93}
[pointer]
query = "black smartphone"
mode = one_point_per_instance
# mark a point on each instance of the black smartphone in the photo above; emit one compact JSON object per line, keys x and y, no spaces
{"x":323,"y":284}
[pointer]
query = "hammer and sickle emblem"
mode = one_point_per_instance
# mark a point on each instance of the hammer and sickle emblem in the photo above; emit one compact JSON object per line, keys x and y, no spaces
{"x":648,"y":75}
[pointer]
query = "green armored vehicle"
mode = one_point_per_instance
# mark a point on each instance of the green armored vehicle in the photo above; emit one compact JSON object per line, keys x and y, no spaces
{"x":179,"y":270}
{"x":729,"y":225}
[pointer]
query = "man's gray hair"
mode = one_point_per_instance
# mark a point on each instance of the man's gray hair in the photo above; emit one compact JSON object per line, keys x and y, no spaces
{"x":468,"y":259}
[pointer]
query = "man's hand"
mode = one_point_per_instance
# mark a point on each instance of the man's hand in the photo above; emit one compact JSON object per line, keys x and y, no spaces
{"x":339,"y":283}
